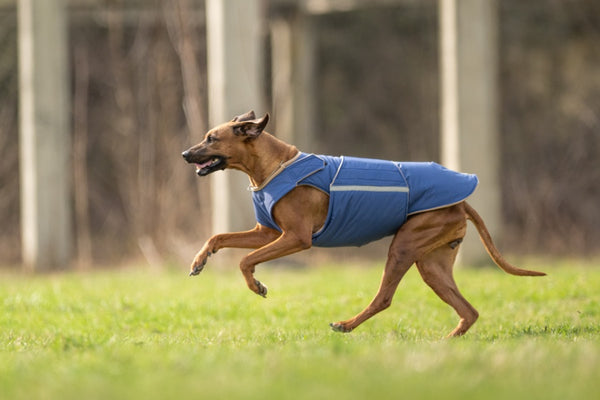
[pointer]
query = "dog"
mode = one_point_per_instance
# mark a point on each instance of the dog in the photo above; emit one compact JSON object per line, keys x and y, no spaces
{"x":301,"y":200}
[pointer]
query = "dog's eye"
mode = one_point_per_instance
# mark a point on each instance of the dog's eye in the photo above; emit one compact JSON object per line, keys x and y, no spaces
{"x":210,"y":139}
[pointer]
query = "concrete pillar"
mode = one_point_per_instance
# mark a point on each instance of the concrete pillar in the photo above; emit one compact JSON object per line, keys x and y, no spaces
{"x":235,"y":51}
{"x":44,"y":135}
{"x":293,"y":65}
{"x":469,"y":131}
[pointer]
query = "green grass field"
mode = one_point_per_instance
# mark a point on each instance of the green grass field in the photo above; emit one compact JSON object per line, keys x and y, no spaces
{"x":137,"y":334}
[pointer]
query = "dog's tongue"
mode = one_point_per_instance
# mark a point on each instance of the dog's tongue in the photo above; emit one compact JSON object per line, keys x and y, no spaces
{"x":204,"y":165}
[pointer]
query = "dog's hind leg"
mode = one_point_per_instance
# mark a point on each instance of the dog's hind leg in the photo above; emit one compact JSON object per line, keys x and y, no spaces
{"x":395,"y":268}
{"x":406,"y":247}
{"x":436,"y":269}
{"x":421,"y":234}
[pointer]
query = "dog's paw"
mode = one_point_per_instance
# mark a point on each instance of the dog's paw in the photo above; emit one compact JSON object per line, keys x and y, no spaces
{"x":197,"y":267}
{"x":262,"y":289}
{"x":339,"y":327}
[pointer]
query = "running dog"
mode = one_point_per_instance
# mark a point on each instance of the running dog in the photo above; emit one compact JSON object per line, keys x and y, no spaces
{"x":303,"y":200}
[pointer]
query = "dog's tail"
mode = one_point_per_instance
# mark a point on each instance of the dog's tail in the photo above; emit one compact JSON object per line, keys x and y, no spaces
{"x":491,"y":249}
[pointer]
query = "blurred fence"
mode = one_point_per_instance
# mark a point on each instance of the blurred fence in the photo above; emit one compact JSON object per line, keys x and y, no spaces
{"x":129,"y":129}
{"x":133,"y":68}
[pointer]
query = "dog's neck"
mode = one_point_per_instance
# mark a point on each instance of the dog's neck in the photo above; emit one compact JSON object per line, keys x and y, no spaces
{"x":266,"y":154}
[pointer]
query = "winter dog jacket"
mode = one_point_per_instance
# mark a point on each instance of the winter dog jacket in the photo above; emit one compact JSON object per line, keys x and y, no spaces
{"x":368,"y":199}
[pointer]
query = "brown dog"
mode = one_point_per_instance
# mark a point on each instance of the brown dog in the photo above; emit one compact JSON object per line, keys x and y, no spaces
{"x":430,"y":239}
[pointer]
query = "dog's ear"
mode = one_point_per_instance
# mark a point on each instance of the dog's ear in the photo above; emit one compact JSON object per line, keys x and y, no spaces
{"x":251,"y":129}
{"x":244,"y":117}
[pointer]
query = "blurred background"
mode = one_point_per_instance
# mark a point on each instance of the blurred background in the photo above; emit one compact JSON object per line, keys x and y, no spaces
{"x":138,"y":96}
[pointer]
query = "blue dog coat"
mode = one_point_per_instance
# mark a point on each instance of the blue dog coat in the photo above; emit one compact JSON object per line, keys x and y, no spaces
{"x":368,"y":199}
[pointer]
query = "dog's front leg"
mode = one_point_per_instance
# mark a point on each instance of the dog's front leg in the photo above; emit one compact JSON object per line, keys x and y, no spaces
{"x":300,"y":213}
{"x":288,"y":243}
{"x":253,"y":239}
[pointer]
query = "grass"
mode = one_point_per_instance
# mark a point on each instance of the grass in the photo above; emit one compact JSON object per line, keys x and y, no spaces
{"x":135,"y":334}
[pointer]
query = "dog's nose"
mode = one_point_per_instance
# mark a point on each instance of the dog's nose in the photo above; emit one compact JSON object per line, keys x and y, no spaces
{"x":185,"y":154}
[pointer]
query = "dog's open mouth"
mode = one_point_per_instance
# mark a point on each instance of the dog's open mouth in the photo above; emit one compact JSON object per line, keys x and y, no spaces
{"x":214,"y":163}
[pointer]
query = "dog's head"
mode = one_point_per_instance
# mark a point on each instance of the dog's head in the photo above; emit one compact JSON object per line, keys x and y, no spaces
{"x":226,"y":145}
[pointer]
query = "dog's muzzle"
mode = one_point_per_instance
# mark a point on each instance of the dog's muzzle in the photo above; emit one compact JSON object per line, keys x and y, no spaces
{"x":205,"y":165}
